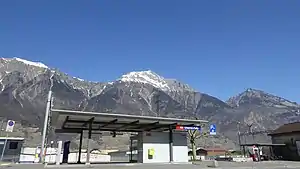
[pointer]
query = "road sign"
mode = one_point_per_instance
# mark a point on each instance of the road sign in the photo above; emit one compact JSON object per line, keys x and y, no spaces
{"x":212,"y":130}
{"x":10,"y":126}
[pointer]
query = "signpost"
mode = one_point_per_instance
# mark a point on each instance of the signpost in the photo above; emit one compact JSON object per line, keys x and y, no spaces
{"x":9,"y":128}
{"x":213,"y":132}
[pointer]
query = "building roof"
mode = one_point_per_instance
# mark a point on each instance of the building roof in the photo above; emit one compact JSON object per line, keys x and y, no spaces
{"x":262,"y":144}
{"x":69,"y":121}
{"x":12,"y":138}
{"x":214,"y":149}
{"x":286,"y":128}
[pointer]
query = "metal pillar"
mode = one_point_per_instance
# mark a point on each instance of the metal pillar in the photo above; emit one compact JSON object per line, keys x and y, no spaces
{"x":131,"y":150}
{"x":88,"y":143}
{"x":80,"y":146}
{"x":45,"y":126}
{"x":171,"y":143}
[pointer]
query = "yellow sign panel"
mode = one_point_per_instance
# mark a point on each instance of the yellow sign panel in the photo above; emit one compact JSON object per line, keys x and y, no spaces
{"x":151,"y":151}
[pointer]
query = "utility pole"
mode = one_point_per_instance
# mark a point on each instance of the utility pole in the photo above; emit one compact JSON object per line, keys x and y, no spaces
{"x":250,"y":130}
{"x":48,"y":107}
{"x":1,"y":129}
{"x":239,"y":135}
{"x":157,"y":103}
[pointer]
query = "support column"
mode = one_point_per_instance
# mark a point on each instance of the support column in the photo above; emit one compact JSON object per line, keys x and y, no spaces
{"x":58,"y":153}
{"x":80,"y":147}
{"x":131,"y":150}
{"x":88,"y":144}
{"x":171,"y":143}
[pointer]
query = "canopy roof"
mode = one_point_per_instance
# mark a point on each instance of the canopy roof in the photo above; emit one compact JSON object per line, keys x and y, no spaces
{"x":69,"y":121}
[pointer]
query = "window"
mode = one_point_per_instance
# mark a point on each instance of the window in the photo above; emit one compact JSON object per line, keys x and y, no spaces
{"x":13,"y":145}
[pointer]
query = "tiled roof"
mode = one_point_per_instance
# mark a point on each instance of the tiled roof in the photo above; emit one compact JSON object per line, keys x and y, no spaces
{"x":287,"y":128}
{"x":214,"y":149}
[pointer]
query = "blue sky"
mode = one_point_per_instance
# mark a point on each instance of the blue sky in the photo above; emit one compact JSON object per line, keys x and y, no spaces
{"x":218,"y":47}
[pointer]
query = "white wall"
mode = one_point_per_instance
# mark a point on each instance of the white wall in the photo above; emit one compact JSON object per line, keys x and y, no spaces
{"x":180,"y":149}
{"x":159,"y":141}
{"x":28,"y":156}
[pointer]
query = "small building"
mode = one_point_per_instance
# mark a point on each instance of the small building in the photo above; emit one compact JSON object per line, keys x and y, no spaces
{"x":12,"y":149}
{"x":199,"y":152}
{"x":288,"y":134}
{"x":216,"y":151}
{"x":157,"y":139}
{"x":208,"y":153}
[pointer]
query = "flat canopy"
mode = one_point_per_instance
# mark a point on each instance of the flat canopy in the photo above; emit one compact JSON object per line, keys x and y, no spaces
{"x":12,"y":138}
{"x":69,"y":121}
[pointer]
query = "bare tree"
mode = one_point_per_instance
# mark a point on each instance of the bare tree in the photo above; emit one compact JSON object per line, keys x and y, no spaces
{"x":194,"y":135}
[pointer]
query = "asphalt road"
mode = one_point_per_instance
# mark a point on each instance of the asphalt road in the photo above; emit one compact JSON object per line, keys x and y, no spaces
{"x":203,"y":165}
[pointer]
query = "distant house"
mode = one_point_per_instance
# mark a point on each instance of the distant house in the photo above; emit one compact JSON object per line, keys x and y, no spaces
{"x":199,"y":152}
{"x":12,"y":149}
{"x":216,"y":151}
{"x":288,"y":134}
{"x":210,"y":152}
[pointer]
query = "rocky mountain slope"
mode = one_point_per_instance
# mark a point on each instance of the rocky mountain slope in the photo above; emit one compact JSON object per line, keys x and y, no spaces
{"x":24,"y":86}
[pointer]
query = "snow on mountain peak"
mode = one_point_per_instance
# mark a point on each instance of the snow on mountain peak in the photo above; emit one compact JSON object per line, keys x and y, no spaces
{"x":147,"y":77}
{"x":36,"y":64}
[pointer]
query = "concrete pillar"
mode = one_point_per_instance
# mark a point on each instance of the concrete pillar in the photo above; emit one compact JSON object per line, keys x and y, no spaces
{"x":58,"y":153}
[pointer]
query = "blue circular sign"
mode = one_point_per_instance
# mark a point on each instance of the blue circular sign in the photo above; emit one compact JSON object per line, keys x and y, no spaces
{"x":11,"y":123}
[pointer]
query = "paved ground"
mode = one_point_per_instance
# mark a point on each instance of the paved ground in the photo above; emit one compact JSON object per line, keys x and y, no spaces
{"x":203,"y":165}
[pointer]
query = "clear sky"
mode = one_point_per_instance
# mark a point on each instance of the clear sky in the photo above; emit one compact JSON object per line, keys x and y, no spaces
{"x":218,"y":47}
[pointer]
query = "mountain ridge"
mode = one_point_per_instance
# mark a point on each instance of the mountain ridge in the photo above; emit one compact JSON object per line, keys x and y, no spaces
{"x":25,"y":86}
{"x":134,"y":75}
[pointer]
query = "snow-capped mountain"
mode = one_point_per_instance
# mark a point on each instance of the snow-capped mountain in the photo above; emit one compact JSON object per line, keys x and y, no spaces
{"x":151,"y":78}
{"x":254,"y":96}
{"x":24,"y":86}
{"x":146,"y":77}
{"x":15,"y":60}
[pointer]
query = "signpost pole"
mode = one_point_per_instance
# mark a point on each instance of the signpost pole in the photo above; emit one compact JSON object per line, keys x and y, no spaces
{"x":213,"y":132}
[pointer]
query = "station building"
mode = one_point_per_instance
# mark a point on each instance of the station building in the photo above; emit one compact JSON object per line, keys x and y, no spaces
{"x":156,"y":141}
